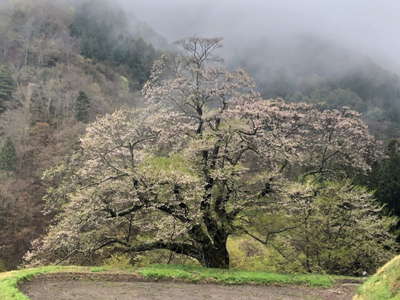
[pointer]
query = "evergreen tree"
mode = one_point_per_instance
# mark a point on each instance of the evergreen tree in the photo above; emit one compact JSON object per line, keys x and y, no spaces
{"x":8,"y":156}
{"x":82,"y":106}
{"x":7,"y":87}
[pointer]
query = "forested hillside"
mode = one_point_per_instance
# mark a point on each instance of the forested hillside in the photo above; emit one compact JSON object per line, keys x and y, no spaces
{"x":61,"y":66}
{"x":113,"y":142}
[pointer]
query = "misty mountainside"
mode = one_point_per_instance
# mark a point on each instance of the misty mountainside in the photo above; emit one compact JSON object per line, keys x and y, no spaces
{"x":53,"y":50}
{"x":62,"y":64}
{"x":308,"y":68}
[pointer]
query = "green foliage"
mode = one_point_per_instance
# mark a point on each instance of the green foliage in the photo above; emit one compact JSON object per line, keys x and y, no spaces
{"x":82,"y":107}
{"x":331,"y":227}
{"x":247,"y":254}
{"x":7,"y":87}
{"x":172,"y":166}
{"x":384,"y":178}
{"x":120,"y":261}
{"x":384,"y":285}
{"x":8,"y":156}
{"x":196,"y":274}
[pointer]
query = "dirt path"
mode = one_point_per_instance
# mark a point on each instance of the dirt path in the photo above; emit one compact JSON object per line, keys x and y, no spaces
{"x":53,"y":288}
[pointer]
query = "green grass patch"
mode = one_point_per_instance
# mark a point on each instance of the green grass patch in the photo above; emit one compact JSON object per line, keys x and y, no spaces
{"x":9,"y":280}
{"x":195,"y":274}
{"x":384,"y":285}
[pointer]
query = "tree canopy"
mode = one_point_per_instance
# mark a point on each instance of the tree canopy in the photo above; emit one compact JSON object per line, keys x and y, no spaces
{"x":333,"y":226}
{"x":179,"y":173}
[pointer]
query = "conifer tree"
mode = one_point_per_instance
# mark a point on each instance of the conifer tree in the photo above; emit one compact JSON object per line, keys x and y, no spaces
{"x":82,"y":105}
{"x":8,"y":156}
{"x":7,"y":87}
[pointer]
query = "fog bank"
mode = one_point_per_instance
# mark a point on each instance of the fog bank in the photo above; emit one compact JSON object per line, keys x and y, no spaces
{"x":368,"y":27}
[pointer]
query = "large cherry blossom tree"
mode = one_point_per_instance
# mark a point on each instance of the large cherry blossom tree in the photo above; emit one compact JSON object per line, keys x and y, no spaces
{"x":178,"y":173}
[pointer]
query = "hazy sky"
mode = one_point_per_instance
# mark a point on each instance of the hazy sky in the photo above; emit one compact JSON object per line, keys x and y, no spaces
{"x":370,"y":26}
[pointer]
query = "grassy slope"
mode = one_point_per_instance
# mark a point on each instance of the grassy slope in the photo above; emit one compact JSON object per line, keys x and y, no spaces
{"x":9,"y":280}
{"x":384,"y":285}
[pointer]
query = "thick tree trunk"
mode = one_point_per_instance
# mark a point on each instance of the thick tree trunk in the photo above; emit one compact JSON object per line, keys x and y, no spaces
{"x":215,"y":255}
